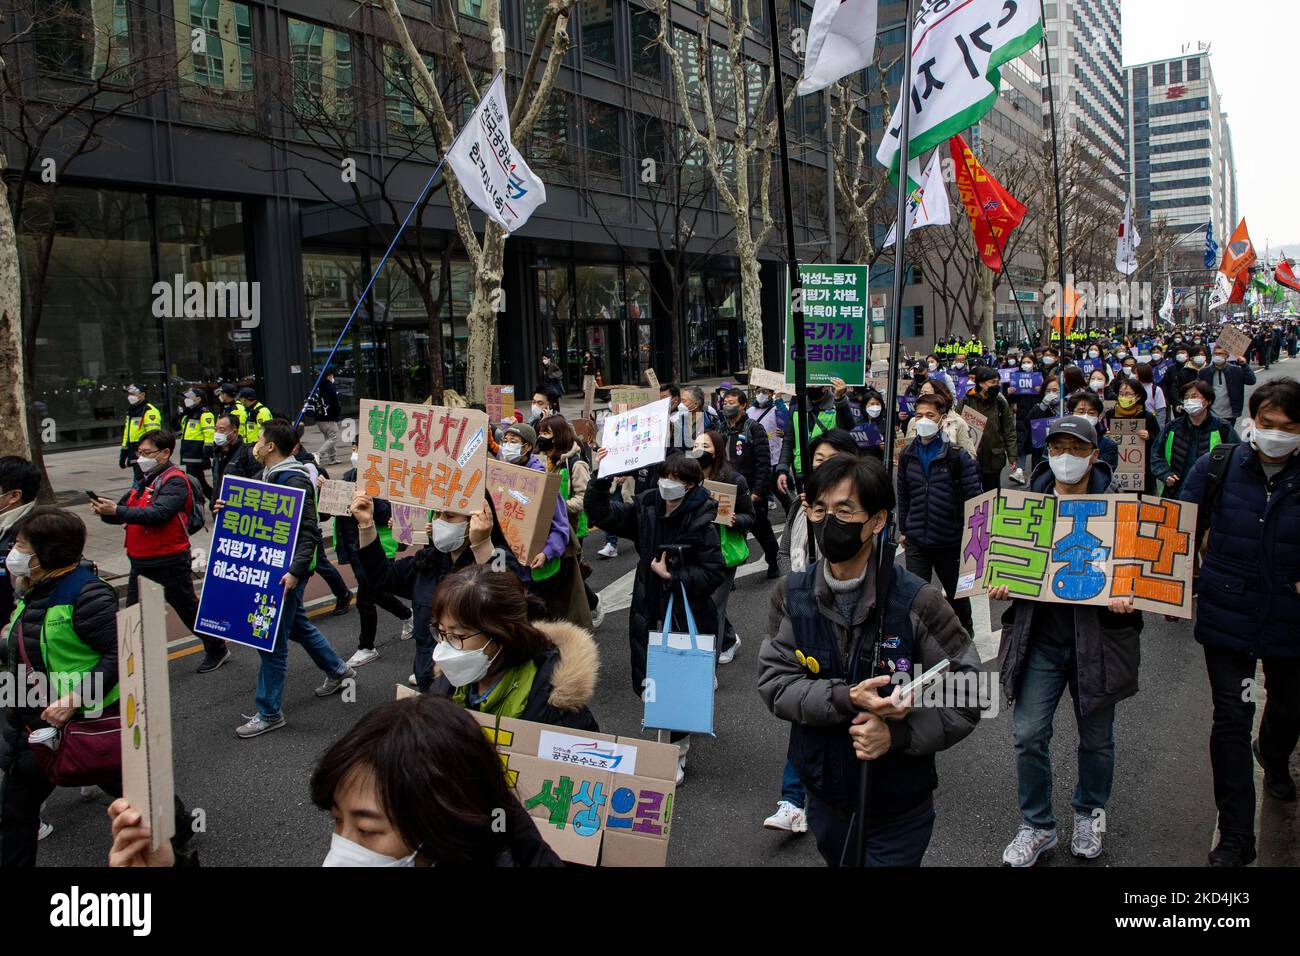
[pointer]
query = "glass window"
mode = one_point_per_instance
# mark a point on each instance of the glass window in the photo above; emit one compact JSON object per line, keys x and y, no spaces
{"x":321,"y":61}
{"x":223,"y":66}
{"x":331,"y":283}
{"x":604,"y":145}
{"x":645,"y":49}
{"x":598,"y":31}
{"x":86,"y":39}
{"x":1176,"y":71}
{"x":1193,"y":69}
{"x":405,"y":327}
{"x":406,"y":103}
{"x":550,"y":141}
{"x":687,"y":45}
{"x":724,"y":83}
{"x":1158,"y":74}
{"x":473,"y":8}
{"x":648,"y":143}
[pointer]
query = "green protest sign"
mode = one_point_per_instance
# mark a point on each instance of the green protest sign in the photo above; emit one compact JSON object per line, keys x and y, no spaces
{"x":835,"y":323}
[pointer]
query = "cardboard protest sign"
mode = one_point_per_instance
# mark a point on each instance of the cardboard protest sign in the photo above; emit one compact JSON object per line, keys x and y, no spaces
{"x":252,"y":547}
{"x":1080,"y":549}
{"x":335,"y":497}
{"x":1132,"y":470}
{"x":525,"y":501}
{"x":634,"y":438}
{"x":976,"y":421}
{"x":423,"y":455}
{"x":588,"y":394}
{"x":724,"y":494}
{"x":146,"y":704}
{"x":834,"y":321}
{"x":623,"y":398}
{"x":500,"y":402}
{"x":585,"y":429}
{"x":596,"y":799}
{"x":407,"y":524}
{"x":652,"y":378}
{"x":772,"y":381}
{"x":1038,"y":428}
{"x":1234,"y":340}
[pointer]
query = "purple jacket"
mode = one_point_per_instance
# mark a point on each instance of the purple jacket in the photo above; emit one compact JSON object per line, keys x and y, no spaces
{"x":558,"y":539}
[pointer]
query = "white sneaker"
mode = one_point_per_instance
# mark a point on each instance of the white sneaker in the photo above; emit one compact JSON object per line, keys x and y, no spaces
{"x":1028,"y":846}
{"x":787,"y":817}
{"x":411,"y":680}
{"x":681,"y":770}
{"x":362,"y":656}
{"x":1018,"y":476}
{"x":729,"y":655}
{"x":598,"y":613}
{"x":684,"y":746}
{"x":408,"y":628}
{"x":609,"y":551}
{"x":45,"y":830}
{"x":1088,"y":830}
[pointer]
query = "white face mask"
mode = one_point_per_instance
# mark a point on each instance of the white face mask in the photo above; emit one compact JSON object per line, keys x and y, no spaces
{"x":1220,"y":360}
{"x":462,"y":667}
{"x":512,"y":451}
{"x":220,"y":438}
{"x":1052,"y":397}
{"x":1049,"y":360}
{"x":537,"y":411}
{"x":190,"y":403}
{"x":926,"y":428}
{"x":449,"y":535}
{"x":18,"y":563}
{"x":873,"y":411}
{"x":343,"y":852}
{"x":355,"y":458}
{"x":1121,"y":354}
{"x":1193,"y":406}
{"x":1182,"y":357}
{"x":1198,"y":359}
{"x":1069,"y":469}
{"x":133,"y":399}
{"x":934,"y":366}
{"x":671,"y":490}
{"x":1090,"y":419}
{"x":1026,"y":366}
{"x":1093,"y":353}
{"x":146,"y":464}
{"x":1271,"y":441}
{"x":1097,"y":385}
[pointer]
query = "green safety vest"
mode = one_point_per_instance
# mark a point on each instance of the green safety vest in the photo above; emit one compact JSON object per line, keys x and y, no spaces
{"x":250,"y":429}
{"x":1216,"y":439}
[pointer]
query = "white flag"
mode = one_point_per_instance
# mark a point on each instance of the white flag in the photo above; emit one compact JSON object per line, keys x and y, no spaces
{"x":1127,"y":242}
{"x":1167,"y":309}
{"x":493,"y":175}
{"x":928,"y":203}
{"x":1221,"y":292}
{"x":841,"y":40}
{"x":957,"y":52}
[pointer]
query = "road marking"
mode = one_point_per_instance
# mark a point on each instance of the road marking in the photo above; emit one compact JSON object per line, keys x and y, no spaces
{"x":618,"y":595}
{"x":192,"y":644}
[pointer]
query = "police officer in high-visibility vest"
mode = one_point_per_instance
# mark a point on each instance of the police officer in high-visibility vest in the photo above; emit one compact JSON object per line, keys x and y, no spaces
{"x":197,"y":428}
{"x":141,"y":417}
{"x":228,"y":404}
{"x":256,"y":415}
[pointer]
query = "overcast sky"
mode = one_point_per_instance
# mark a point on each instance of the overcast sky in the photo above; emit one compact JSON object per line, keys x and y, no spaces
{"x":1253,"y":54}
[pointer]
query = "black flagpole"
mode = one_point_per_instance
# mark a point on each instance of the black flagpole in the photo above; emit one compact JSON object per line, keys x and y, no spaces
{"x":792,"y":260}
{"x":1056,"y":170}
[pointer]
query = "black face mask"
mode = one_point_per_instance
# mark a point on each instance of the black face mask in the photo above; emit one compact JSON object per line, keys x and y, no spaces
{"x":705,"y":460}
{"x":545,"y":444}
{"x":991,"y":391}
{"x":731,"y":411}
{"x":838,"y":540}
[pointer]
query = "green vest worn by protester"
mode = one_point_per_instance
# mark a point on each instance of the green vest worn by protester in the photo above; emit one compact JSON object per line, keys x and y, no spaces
{"x":510,"y":695}
{"x":68,"y":659}
{"x":1216,"y":438}
{"x":823,"y":422}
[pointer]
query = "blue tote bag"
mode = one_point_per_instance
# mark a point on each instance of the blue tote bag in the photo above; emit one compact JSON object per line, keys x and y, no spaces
{"x":679,"y":676}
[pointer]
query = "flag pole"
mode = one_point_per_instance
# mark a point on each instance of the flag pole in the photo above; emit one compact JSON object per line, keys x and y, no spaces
{"x":1056,"y":170}
{"x":792,"y":257}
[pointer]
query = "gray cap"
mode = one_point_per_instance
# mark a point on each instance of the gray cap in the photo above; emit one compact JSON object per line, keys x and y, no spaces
{"x":1076,"y":427}
{"x":525,"y":432}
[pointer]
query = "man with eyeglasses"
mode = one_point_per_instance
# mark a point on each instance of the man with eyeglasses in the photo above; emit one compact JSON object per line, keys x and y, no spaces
{"x":1047,"y":646}
{"x":829,"y":660}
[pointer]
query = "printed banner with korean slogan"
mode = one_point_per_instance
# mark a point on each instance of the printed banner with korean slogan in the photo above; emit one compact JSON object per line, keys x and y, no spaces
{"x":525,"y":501}
{"x":145,"y":697}
{"x":958,"y":48}
{"x":252,"y":547}
{"x":1080,"y":549}
{"x":1131,"y":473}
{"x":634,"y":439}
{"x":596,"y":799}
{"x":834,"y":324}
{"x":423,"y":455}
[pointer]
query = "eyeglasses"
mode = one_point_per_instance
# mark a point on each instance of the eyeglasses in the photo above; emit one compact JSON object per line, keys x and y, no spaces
{"x":455,"y":640}
{"x":841,"y":512}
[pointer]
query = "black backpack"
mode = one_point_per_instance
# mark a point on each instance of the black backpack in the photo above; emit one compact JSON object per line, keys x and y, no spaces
{"x":1220,"y":461}
{"x":194,"y":521}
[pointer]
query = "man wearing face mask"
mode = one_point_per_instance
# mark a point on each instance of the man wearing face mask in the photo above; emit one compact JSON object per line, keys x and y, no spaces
{"x":197,"y":437}
{"x":1185,"y":439}
{"x":829,"y":408}
{"x":141,"y":417}
{"x":1229,"y":381}
{"x":230,"y":455}
{"x":20,"y":481}
{"x":1047,"y":646}
{"x":998,"y":444}
{"x":748,"y":453}
{"x":1248,"y":606}
{"x":828,"y":658}
{"x":1178,"y":375}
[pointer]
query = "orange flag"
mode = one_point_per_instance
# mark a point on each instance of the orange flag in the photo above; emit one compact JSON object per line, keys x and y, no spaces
{"x":993,"y":211}
{"x":1239,"y":254}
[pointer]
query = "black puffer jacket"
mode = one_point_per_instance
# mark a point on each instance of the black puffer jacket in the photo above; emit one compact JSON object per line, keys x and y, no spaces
{"x":294,"y":474}
{"x":930,"y":508}
{"x":645,"y":520}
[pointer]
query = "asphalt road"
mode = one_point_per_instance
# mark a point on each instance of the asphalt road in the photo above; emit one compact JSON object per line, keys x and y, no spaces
{"x":253,"y":794}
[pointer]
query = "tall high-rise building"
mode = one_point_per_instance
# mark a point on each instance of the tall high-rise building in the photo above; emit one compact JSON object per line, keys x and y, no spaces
{"x":1228,"y":168}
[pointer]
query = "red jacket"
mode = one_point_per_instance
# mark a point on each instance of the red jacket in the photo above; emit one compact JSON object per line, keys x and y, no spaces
{"x":165,"y":535}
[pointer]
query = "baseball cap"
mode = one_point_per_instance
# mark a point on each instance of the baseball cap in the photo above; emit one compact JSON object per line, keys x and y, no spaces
{"x":1076,"y":427}
{"x":134,"y":390}
{"x":247,"y":392}
{"x":525,"y":432}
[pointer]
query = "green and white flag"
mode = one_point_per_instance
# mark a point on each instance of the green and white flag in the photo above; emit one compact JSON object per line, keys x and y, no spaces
{"x":957,"y":51}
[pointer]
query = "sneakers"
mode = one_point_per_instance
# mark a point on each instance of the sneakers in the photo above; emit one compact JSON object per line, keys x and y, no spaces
{"x":258,"y":725}
{"x":787,"y":817}
{"x":212,"y":661}
{"x":729,"y":654}
{"x":333,"y":684}
{"x":408,"y":629}
{"x":1277,"y":782}
{"x":1234,"y":849}
{"x":684,"y":746}
{"x":1088,"y":829}
{"x":598,"y":613}
{"x":341,"y":605}
{"x":411,"y":680}
{"x":364,"y":655}
{"x":45,"y":830}
{"x":609,"y":551}
{"x":1018,"y":476}
{"x":1028,"y":846}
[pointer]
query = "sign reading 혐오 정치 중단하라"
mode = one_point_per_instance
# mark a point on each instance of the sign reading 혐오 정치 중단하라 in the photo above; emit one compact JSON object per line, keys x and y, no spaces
{"x":425,"y":455}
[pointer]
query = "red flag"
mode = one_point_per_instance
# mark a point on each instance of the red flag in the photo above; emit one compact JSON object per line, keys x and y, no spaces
{"x":993,"y":211}
{"x":1239,"y":288}
{"x":1284,"y":276}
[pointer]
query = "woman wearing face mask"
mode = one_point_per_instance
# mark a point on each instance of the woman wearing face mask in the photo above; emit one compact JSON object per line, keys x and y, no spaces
{"x":558,"y":448}
{"x":934,"y":371}
{"x":415,"y":782}
{"x":998,"y":445}
{"x":955,"y":429}
{"x":867,"y":432}
{"x":677,"y":512}
{"x":495,"y":653}
{"x":1186,"y":438}
{"x":1023,"y":403}
{"x":1130,"y":405}
{"x":369,"y":600}
{"x":1155,"y":403}
{"x":1047,"y":406}
{"x":458,"y":541}
{"x":731,"y":537}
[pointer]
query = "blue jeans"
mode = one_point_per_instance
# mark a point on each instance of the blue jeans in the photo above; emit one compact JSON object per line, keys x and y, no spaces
{"x":792,"y":790}
{"x":1049,"y":668}
{"x":899,"y":843}
{"x":611,"y":539}
{"x":295,"y":625}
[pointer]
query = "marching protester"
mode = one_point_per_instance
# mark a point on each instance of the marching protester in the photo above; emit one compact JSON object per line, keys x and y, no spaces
{"x":1047,"y":406}
{"x":141,"y":418}
{"x":231,"y":456}
{"x":709,"y":452}
{"x":823,"y":668}
{"x":375,"y":783}
{"x":747,"y":452}
{"x":274,"y":449}
{"x":328,"y":411}
{"x":1228,"y":381}
{"x":496,"y":653}
{"x":671,"y":526}
{"x":998,"y":444}
{"x":1248,"y":606}
{"x":1023,"y":402}
{"x":1130,"y":406}
{"x":828,"y":408}
{"x":1155,"y":402}
{"x":1186,"y":438}
{"x":197,"y":434}
{"x":20,"y":481}
{"x":558,"y":446}
{"x":956,"y":430}
{"x":160,"y":511}
{"x":1049,"y":646}
{"x":1091,"y":407}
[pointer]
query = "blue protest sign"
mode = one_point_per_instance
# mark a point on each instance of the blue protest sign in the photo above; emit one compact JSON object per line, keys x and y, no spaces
{"x":1023,"y":383}
{"x":1089,"y":365}
{"x":867,"y":435}
{"x":1038,"y":430}
{"x":1004,"y":375}
{"x":907,"y":404}
{"x":1158,"y":371}
{"x":963,"y":385}
{"x":252,"y":547}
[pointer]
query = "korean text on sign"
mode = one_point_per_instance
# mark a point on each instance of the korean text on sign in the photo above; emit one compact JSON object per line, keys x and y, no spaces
{"x":423,"y":455}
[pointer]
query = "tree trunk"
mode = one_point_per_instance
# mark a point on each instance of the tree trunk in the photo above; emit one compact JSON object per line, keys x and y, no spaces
{"x":751,"y":301}
{"x":433,"y":309}
{"x":984,"y":279}
{"x":482,"y":317}
{"x":13,"y":399}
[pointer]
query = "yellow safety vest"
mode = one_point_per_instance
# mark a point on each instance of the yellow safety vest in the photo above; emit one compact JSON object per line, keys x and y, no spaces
{"x":250,"y":430}
{"x":138,"y":423}
{"x":200,"y":429}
